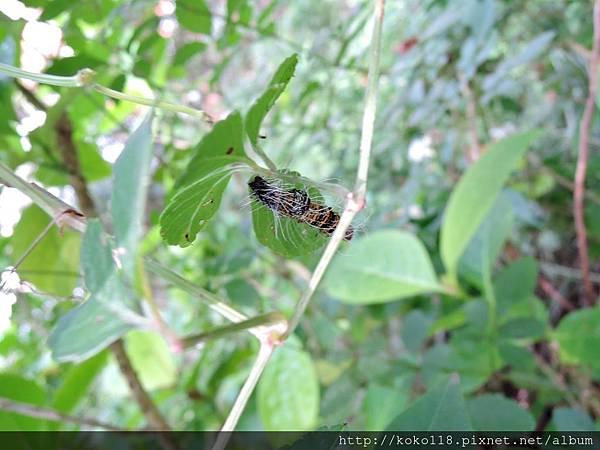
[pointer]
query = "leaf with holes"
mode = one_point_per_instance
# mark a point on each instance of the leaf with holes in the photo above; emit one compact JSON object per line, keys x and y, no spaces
{"x":284,"y":235}
{"x":265,"y":102}
{"x":197,"y":193}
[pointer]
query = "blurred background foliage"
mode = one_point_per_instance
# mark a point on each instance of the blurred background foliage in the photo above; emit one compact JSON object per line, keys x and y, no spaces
{"x":457,"y":76}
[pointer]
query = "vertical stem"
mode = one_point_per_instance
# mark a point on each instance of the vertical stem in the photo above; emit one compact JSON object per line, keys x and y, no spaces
{"x":264,"y":354}
{"x":582,"y":160}
{"x":355,"y":200}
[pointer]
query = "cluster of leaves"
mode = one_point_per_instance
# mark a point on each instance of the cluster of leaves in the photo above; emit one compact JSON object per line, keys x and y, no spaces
{"x":433,"y":318}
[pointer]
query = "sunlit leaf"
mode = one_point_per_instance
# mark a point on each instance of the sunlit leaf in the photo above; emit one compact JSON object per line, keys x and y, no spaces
{"x":381,"y":267}
{"x":265,"y":102}
{"x":131,"y":178}
{"x":198,"y":192}
{"x":194,"y":15}
{"x":476,"y":192}
{"x":288,"y":392}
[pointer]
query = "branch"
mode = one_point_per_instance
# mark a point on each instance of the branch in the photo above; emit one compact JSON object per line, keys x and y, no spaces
{"x":155,"y":419}
{"x":85,"y":78}
{"x":582,"y":160}
{"x":263,"y":320}
{"x":50,"y":414}
{"x":356,"y":200}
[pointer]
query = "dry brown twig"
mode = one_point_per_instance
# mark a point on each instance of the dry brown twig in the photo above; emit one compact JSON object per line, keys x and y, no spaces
{"x":582,"y":161}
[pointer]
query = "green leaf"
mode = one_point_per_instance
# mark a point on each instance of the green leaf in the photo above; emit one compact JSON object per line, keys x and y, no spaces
{"x":198,"y":192}
{"x":20,"y":389}
{"x":52,"y":265}
{"x":570,"y":419}
{"x":76,"y":383}
{"x":283,"y":235}
{"x":381,"y":405}
{"x":90,"y":327}
{"x":151,"y":359}
{"x":104,"y":317}
{"x":194,"y":15}
{"x":441,"y":408}
{"x":515,"y":283}
{"x":475,"y":194}
{"x":578,"y":336}
{"x":493,"y":412}
{"x":381,"y":267}
{"x":486,"y":245}
{"x":128,"y":203}
{"x":265,"y":102}
{"x":288,"y":392}
{"x":96,"y":257}
{"x":187,"y":51}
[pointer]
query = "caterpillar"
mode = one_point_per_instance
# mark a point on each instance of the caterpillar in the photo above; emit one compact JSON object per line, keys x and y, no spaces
{"x":296,"y":204}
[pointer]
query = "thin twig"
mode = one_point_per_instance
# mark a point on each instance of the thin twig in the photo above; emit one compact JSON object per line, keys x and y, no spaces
{"x":264,"y":354}
{"x":582,"y":160}
{"x":258,"y":321}
{"x":50,"y":414}
{"x":153,"y":415}
{"x":471,"y":110}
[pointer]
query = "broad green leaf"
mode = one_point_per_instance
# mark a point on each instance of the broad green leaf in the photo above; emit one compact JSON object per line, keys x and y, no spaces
{"x":91,"y":326}
{"x":104,"y":317}
{"x":197,"y":194}
{"x":475,"y":194}
{"x":381,"y":404}
{"x":486,"y":245}
{"x":493,"y":412}
{"x":128,"y":202}
{"x":381,"y":267}
{"x":284,"y":235}
{"x":194,"y":15}
{"x":441,"y":408}
{"x":96,"y":257}
{"x":265,"y":102}
{"x":76,"y":382}
{"x":578,"y":336}
{"x":52,"y":265}
{"x":288,"y":392}
{"x":20,"y":389}
{"x":571,"y":419}
{"x":515,"y":283}
{"x":187,"y":51}
{"x":151,"y":358}
{"x":522,"y":328}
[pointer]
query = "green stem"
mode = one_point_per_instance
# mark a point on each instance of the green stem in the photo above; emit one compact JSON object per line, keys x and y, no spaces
{"x":53,"y":80}
{"x":85,"y":78}
{"x":153,"y":102}
{"x":264,"y":319}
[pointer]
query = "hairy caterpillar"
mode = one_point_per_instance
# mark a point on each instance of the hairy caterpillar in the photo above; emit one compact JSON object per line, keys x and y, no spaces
{"x":296,"y":204}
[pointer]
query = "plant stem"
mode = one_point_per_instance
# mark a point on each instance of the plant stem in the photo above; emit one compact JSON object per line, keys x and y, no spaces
{"x":85,"y":77}
{"x":214,"y":302}
{"x":582,"y":160}
{"x":155,"y":103}
{"x":53,"y":80}
{"x":356,"y":200}
{"x":50,"y":414}
{"x":262,"y":320}
{"x":264,"y":354}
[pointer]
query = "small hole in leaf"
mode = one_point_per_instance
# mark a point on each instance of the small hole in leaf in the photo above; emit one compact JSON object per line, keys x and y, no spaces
{"x":230,"y":150}
{"x":262,"y":136}
{"x":187,"y":236}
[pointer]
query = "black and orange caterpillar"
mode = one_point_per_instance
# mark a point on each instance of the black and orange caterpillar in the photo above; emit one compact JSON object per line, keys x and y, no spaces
{"x":296,"y":204}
